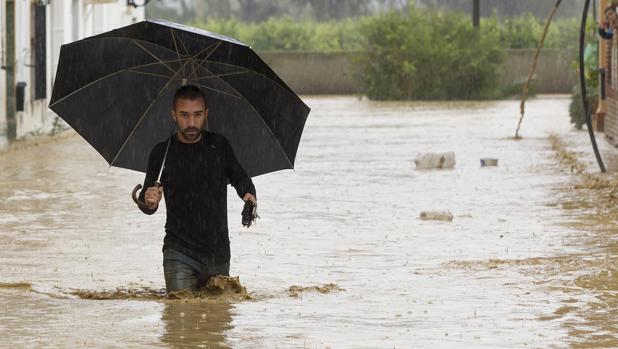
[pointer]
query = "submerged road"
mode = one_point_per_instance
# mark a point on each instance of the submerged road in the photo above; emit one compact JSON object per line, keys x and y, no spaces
{"x":524,"y":263}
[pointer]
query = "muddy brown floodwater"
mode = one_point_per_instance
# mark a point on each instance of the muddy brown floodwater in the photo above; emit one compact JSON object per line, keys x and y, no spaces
{"x":340,"y":257}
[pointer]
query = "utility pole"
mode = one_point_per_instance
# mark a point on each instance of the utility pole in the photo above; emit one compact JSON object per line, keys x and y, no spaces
{"x":476,"y":13}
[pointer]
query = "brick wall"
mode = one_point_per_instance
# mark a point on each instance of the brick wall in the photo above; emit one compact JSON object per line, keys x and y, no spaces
{"x":611,"y":88}
{"x":611,"y":121}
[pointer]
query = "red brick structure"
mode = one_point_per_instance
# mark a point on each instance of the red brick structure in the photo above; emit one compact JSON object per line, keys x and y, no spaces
{"x":606,"y":118}
{"x":611,"y":91}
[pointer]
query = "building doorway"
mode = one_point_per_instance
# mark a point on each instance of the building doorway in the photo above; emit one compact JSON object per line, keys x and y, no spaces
{"x":9,"y":67}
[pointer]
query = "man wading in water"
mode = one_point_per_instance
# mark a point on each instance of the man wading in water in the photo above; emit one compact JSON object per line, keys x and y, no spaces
{"x":194,"y":181}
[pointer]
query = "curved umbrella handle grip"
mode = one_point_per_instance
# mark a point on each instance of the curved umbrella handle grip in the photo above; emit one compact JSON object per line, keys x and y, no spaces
{"x":141,"y":204}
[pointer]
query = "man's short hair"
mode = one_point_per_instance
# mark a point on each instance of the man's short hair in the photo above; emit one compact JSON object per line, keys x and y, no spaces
{"x":190,"y":92}
{"x":612,"y":7}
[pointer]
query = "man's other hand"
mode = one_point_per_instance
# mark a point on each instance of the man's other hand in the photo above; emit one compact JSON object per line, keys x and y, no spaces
{"x":249,"y":197}
{"x":249,"y":211}
{"x":153,"y":197}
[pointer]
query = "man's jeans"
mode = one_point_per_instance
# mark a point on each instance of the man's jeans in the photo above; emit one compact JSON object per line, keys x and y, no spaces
{"x":185,"y":273}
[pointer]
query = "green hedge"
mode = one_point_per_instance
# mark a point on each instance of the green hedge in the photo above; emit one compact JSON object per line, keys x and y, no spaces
{"x":428,"y":55}
{"x":423,"y":54}
{"x":291,"y":35}
{"x":286,"y":34}
{"x":526,"y":30}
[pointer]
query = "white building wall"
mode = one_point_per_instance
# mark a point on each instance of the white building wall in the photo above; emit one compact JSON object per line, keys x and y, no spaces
{"x":2,"y":76}
{"x":24,"y":62}
{"x":67,"y":21}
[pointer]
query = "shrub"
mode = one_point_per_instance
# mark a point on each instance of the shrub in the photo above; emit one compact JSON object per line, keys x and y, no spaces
{"x":344,"y":35}
{"x":591,"y":75}
{"x":282,"y":34}
{"x":338,"y":36}
{"x":521,"y":32}
{"x":428,"y":55}
{"x":285,"y":34}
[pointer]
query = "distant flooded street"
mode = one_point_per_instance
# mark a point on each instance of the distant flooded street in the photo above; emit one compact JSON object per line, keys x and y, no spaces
{"x":339,"y":258}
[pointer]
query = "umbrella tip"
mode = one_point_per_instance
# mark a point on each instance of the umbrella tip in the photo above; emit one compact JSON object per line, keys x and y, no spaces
{"x":184,"y":81}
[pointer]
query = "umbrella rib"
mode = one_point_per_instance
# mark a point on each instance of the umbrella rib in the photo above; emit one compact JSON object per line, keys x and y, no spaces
{"x":222,"y":92}
{"x":245,"y":100}
{"x":193,"y":73}
{"x":162,"y":91}
{"x":253,"y":71}
{"x":264,"y":122}
{"x":205,"y":58}
{"x":175,"y":45}
{"x":153,"y":74}
{"x":231,"y":65}
{"x":218,"y":43}
{"x":183,"y":45}
{"x":139,"y":121}
{"x":215,"y":76}
{"x":105,"y":77}
{"x":220,"y":75}
{"x":211,"y":61}
{"x":153,"y":55}
{"x":154,"y":63}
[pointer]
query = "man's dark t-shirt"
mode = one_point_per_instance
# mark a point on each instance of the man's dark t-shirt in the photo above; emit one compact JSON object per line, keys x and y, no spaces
{"x":194,"y":183}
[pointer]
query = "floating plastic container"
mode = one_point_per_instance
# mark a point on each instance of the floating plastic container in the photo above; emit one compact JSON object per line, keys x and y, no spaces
{"x":428,"y":161}
{"x":489,"y":162}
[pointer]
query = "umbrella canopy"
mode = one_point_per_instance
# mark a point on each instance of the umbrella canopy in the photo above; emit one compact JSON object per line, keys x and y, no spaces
{"x":116,"y":88}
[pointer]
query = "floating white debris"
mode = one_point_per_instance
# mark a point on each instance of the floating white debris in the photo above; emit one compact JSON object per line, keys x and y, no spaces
{"x":436,"y":216}
{"x":435,"y":160}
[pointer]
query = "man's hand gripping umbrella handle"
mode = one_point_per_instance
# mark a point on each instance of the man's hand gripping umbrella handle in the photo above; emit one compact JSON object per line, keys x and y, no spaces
{"x":157,"y":183}
{"x":139,"y":203}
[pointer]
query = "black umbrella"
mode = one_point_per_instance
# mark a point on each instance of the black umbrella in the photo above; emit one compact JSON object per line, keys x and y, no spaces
{"x":115,"y":89}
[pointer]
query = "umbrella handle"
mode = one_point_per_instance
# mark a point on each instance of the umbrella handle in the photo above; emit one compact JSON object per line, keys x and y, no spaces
{"x":141,"y":204}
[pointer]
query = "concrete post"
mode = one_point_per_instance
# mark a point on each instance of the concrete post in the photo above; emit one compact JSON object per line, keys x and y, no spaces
{"x":476,"y":13}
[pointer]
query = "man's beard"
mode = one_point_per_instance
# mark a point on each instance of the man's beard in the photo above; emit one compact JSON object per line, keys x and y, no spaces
{"x":189,"y":136}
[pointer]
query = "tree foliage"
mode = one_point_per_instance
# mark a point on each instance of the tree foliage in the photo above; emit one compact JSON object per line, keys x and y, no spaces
{"x":510,"y":8}
{"x":591,"y":76}
{"x":263,"y":10}
{"x":329,"y":10}
{"x":286,"y":34}
{"x":428,"y":55}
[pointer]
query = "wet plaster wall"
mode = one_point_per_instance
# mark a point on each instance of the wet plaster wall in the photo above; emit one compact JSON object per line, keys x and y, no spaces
{"x":2,"y":78}
{"x":332,"y":73}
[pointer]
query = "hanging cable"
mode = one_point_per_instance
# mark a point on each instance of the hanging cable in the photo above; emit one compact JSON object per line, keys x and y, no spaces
{"x":524,"y":93}
{"x":582,"y":82}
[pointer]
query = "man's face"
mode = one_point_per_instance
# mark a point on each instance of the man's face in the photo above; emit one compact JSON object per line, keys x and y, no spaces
{"x":190,"y":116}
